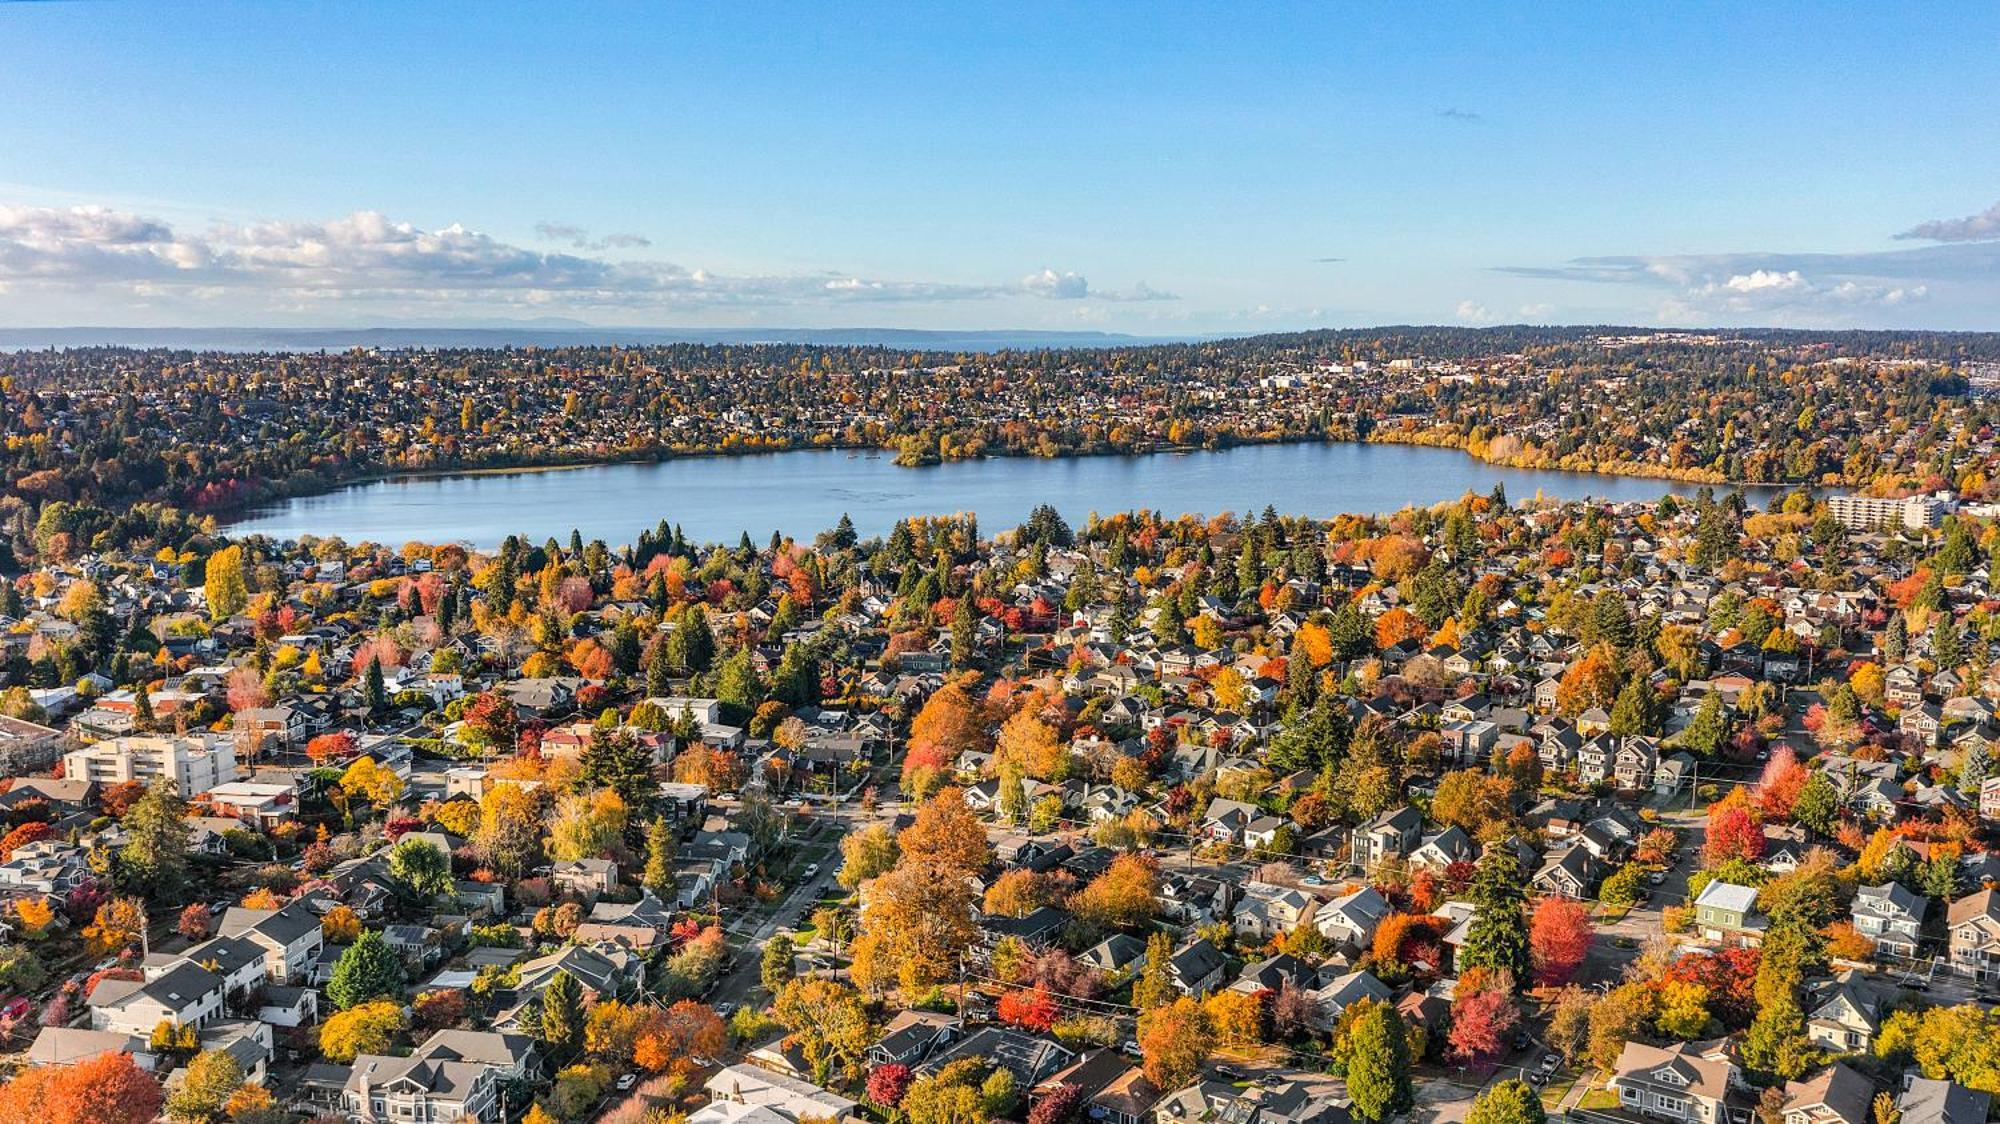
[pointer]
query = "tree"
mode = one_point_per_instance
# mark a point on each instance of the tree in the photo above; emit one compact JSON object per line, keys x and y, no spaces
{"x":867,"y":853}
{"x":685,"y":1030}
{"x":106,"y":1089}
{"x":368,"y":1028}
{"x":916,"y":924}
{"x":776,"y":969}
{"x":1124,"y":896}
{"x":1559,"y":933}
{"x":829,"y":1025}
{"x":1509,"y":1102}
{"x":340,"y":925}
{"x":510,"y":828}
{"x":1033,"y":1009}
{"x":1059,"y":1106}
{"x":1378,"y":1064}
{"x":420,"y":869}
{"x":155,"y":854}
{"x":1481,"y":1016}
{"x":1818,"y":805}
{"x":1683,"y":1009}
{"x":561,"y":1025}
{"x":1469,"y":799}
{"x":1568,"y":1030}
{"x":1173,"y":1042}
{"x":659,"y":873}
{"x":119,"y":924}
{"x":887,"y":1083}
{"x":587,"y":825}
{"x":211,"y":1077}
{"x":946,"y":835}
{"x":1733,"y":831}
{"x":1616,"y":1018}
{"x":224,"y":585}
{"x":195,"y":923}
{"x":374,"y":784}
{"x":1155,"y":985}
{"x":1776,"y":1044}
{"x":1498,"y":937}
{"x":368,"y":970}
{"x":614,"y":760}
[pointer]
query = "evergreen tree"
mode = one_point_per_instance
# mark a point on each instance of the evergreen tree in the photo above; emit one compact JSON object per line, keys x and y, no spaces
{"x":1637,"y":709}
{"x":776,"y":969}
{"x":561,"y":1025}
{"x":660,"y":849}
{"x":369,"y":969}
{"x":614,"y":759}
{"x":1708,"y":731}
{"x":964,"y":634}
{"x":374,"y":691}
{"x":155,"y":855}
{"x":1378,"y":1064}
{"x":1498,"y":937}
{"x":142,"y":708}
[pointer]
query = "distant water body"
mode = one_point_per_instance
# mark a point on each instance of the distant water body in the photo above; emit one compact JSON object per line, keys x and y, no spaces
{"x":714,"y":499}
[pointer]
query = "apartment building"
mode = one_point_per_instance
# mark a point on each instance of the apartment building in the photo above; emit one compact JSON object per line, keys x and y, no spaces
{"x":195,"y":763}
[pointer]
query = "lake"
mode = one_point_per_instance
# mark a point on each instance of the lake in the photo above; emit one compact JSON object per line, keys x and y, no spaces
{"x":714,"y":499}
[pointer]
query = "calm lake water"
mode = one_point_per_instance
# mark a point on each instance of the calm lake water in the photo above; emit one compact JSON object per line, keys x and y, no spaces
{"x":802,"y":493}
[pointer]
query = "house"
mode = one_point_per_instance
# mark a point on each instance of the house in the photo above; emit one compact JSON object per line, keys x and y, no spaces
{"x":186,"y":995}
{"x":290,"y":937}
{"x":380,"y":1090}
{"x":1926,"y":1100}
{"x":1352,"y":918}
{"x":1680,"y":1083}
{"x":193,"y":763}
{"x":911,"y":1036}
{"x":1974,"y":928}
{"x":1113,"y":1089}
{"x":1834,"y":1095}
{"x":1028,"y":1057}
{"x":1197,"y":967}
{"x":1393,"y":834}
{"x":1115,"y":955}
{"x":1568,"y":873}
{"x":1844,"y":1013}
{"x":1727,"y":912}
{"x":1890,"y":915}
{"x":587,"y":878}
{"x":789,"y":1098}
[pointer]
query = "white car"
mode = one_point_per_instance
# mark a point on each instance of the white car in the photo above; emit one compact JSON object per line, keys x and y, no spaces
{"x":626,"y":1081}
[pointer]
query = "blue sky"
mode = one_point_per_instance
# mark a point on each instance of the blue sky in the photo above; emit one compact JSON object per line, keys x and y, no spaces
{"x":1156,"y":169}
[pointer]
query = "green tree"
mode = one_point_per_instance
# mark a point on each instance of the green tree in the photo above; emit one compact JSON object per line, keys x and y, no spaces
{"x":561,"y":1024}
{"x":659,"y":873}
{"x":776,"y":970}
{"x":1509,"y":1102}
{"x":1155,"y":985}
{"x":205,"y":1088}
{"x":1498,"y":938}
{"x":369,"y":969}
{"x":155,"y":855}
{"x":420,"y":868}
{"x":1378,"y":1064}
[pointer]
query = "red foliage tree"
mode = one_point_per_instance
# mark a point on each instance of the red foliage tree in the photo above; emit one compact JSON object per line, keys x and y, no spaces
{"x":107,"y":1089}
{"x":1558,"y":938}
{"x":1058,"y":1106}
{"x":22,"y":836}
{"x":1030,"y":1010}
{"x":328,"y":748}
{"x":1480,"y":1022}
{"x":1781,"y":783}
{"x":887,"y":1084}
{"x":1733,"y":832}
{"x":195,"y":923}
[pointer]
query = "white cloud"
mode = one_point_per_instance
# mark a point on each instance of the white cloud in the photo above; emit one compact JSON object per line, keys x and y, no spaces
{"x":1472,"y":312}
{"x":1981,"y":227}
{"x":1056,"y":286}
{"x":1765,"y":279}
{"x":367,"y":257}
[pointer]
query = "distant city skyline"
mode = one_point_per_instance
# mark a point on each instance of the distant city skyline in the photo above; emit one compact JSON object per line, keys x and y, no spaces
{"x":1153,"y":170}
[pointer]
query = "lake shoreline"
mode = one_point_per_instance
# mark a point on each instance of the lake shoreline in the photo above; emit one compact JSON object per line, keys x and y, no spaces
{"x":802,"y":492}
{"x":254,"y":509}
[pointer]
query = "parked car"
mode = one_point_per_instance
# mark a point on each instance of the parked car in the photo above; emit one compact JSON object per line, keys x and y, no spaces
{"x":626,"y":1081}
{"x":1550,"y":1062}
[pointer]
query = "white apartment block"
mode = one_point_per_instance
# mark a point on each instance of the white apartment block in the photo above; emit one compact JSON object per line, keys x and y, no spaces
{"x":1869,"y":513}
{"x":194,"y":762}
